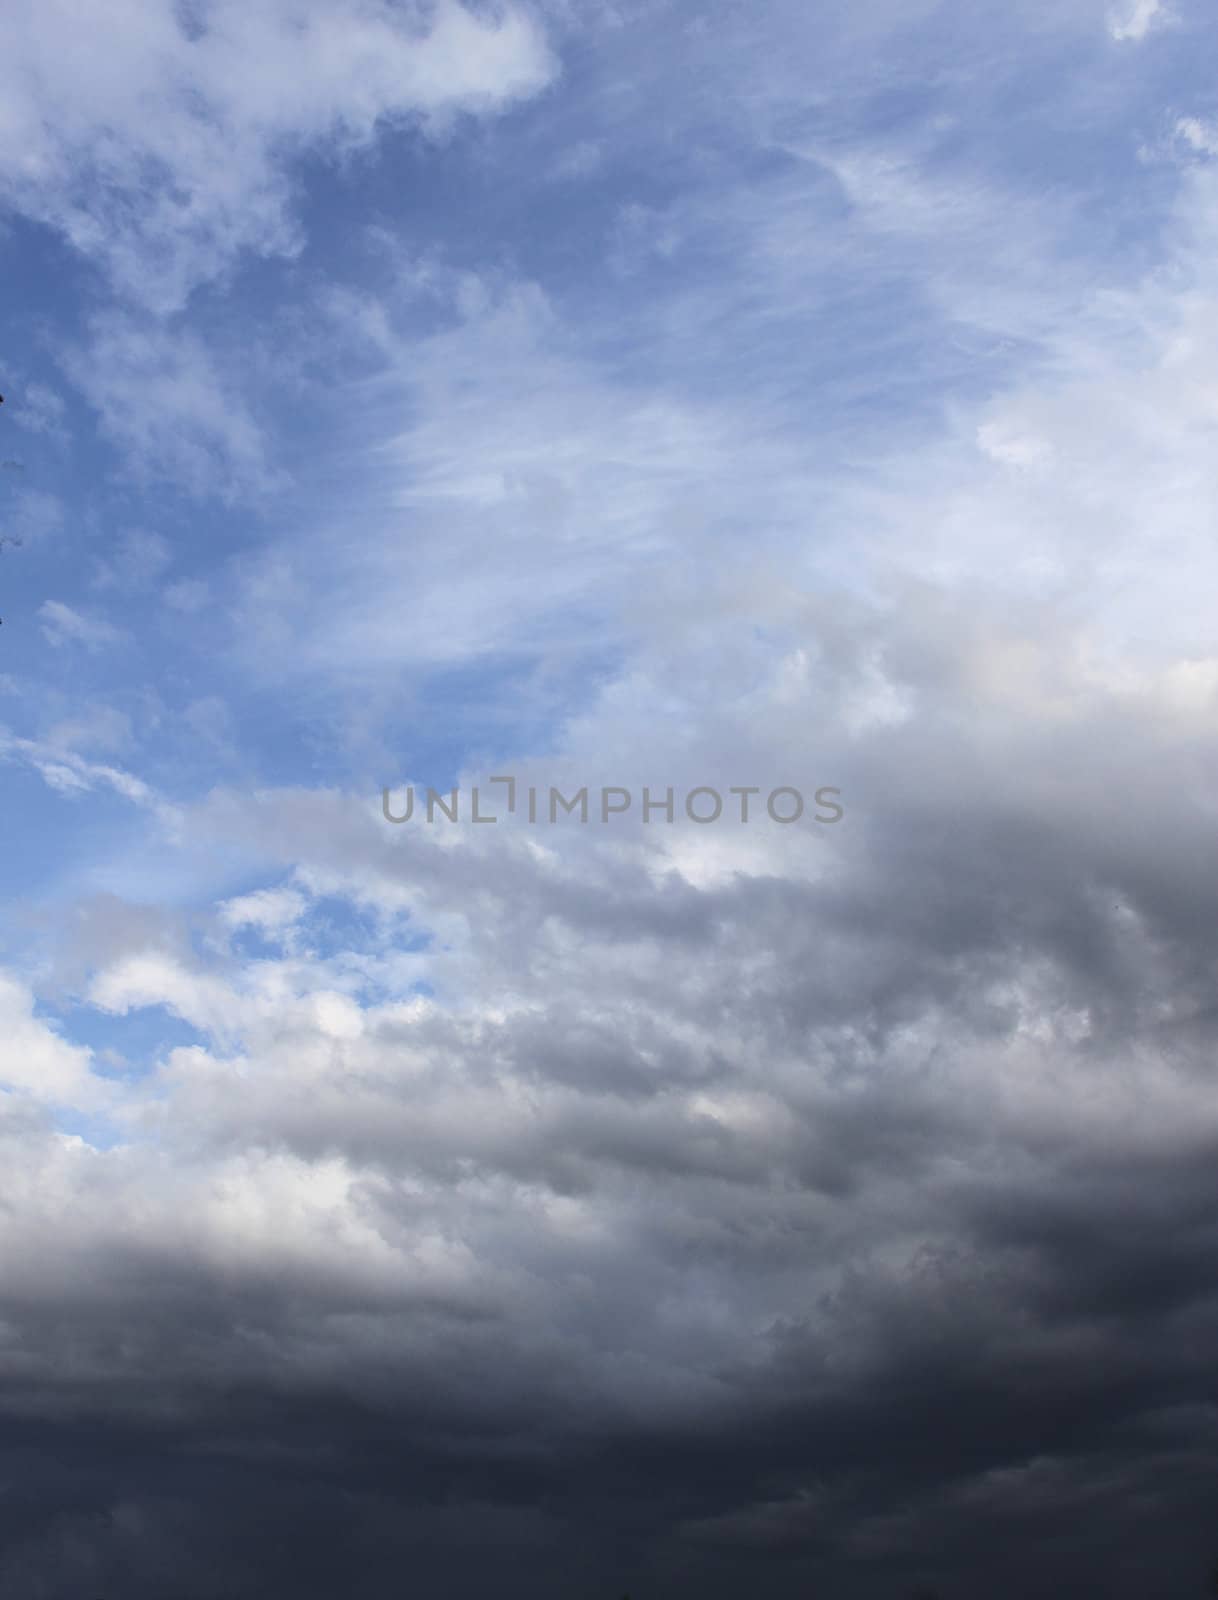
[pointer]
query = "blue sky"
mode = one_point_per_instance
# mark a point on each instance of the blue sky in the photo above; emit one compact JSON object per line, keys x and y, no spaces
{"x":771,"y":394}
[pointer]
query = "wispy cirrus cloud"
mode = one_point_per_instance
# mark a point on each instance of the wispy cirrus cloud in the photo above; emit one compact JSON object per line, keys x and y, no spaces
{"x":61,"y":625}
{"x":164,"y":400}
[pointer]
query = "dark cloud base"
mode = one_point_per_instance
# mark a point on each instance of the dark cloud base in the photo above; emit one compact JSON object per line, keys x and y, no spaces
{"x":963,"y":1468}
{"x":970,"y":1264}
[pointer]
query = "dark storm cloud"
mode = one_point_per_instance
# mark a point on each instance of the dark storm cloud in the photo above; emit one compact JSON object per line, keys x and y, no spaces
{"x":845,"y":1232}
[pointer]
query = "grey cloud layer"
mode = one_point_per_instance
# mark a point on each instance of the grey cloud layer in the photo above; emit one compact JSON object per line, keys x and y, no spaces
{"x":843,"y":1216}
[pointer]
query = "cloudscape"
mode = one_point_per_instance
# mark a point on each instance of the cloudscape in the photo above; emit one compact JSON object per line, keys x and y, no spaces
{"x":609,"y":758}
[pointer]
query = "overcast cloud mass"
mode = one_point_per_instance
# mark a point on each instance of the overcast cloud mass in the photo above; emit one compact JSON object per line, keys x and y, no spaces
{"x":781,"y":393}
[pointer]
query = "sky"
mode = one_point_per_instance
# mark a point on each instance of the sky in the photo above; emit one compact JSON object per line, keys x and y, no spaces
{"x":405,"y":394}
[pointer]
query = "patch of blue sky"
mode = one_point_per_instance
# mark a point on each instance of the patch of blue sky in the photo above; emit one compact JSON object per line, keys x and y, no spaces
{"x":487,"y":713}
{"x":63,"y":837}
{"x":332,"y":926}
{"x":128,"y":1045}
{"x":99,"y":1131}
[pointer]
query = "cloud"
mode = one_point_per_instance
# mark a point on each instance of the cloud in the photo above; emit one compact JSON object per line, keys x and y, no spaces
{"x":1010,"y":448}
{"x":32,"y":515}
{"x":1200,"y":136}
{"x":136,"y":560}
{"x":187,"y":594}
{"x":38,"y":408}
{"x":1136,"y":21}
{"x":69,"y":774}
{"x":166,"y":156}
{"x":582,"y":160}
{"x":173,"y":157}
{"x":35,"y":1062}
{"x":662,"y":1209}
{"x":162,"y":399}
{"x":712,"y":1187}
{"x":271,"y":911}
{"x":95,"y":726}
{"x":62,"y":625}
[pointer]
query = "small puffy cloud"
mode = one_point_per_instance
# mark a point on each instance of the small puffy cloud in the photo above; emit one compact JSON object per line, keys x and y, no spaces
{"x":1134,"y":22}
{"x":1199,"y":136}
{"x":1012,"y":447}
{"x":267,"y":910}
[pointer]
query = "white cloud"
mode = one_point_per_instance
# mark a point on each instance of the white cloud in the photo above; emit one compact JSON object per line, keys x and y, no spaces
{"x":63,"y":625}
{"x":71,"y":775}
{"x":1198,"y":135}
{"x":164,"y":155}
{"x":269,"y":910}
{"x":34,"y":1060}
{"x":1137,"y":19}
{"x":1002,"y":443}
{"x":168,"y":154}
{"x":160,"y":396}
